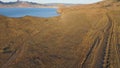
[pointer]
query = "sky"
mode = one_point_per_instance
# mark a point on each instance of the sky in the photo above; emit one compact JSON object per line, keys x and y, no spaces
{"x":59,"y":1}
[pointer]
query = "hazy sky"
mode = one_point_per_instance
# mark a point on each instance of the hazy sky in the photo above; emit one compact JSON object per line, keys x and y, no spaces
{"x":59,"y":1}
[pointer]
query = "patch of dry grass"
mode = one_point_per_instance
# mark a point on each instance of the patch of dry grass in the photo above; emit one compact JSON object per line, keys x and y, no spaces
{"x":78,"y":37}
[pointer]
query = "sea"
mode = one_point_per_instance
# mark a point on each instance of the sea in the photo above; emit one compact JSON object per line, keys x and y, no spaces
{"x":21,"y":12}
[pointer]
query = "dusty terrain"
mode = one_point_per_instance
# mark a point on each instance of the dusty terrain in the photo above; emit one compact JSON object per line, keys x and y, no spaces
{"x":85,"y":36}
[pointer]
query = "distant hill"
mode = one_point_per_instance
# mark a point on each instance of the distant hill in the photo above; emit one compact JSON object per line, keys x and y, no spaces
{"x":30,"y":4}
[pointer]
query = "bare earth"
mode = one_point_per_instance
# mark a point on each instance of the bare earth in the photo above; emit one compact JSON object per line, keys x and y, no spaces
{"x":85,"y":36}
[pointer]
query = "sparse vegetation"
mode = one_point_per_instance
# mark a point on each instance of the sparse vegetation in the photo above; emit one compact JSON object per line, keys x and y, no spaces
{"x":76,"y":39}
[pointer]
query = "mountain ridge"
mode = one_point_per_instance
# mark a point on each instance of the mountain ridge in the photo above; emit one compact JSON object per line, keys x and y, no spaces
{"x":31,"y":4}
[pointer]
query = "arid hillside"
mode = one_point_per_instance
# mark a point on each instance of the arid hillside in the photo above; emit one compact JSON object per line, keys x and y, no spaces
{"x":86,"y":36}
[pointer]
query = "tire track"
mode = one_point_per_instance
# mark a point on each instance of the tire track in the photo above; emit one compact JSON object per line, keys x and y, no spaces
{"x":114,"y":55}
{"x":96,"y":42}
{"x":93,"y":55}
{"x":108,"y":46}
{"x":102,"y":53}
{"x":16,"y":54}
{"x":19,"y":51}
{"x":88,"y":49}
{"x":96,"y":57}
{"x":112,"y":58}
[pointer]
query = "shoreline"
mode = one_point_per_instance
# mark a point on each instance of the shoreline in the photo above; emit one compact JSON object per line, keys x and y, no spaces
{"x":45,"y":14}
{"x":30,"y":7}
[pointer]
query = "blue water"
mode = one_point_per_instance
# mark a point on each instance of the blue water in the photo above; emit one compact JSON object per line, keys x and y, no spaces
{"x":21,"y":12}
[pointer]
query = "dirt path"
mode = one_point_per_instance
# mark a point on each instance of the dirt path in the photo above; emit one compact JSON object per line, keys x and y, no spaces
{"x":101,"y":50}
{"x":113,"y":58}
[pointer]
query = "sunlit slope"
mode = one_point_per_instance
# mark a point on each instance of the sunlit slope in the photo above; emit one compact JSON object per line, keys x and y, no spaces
{"x":100,"y":45}
{"x":81,"y":37}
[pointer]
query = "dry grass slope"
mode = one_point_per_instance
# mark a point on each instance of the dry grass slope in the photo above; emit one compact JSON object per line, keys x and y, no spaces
{"x":86,"y":36}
